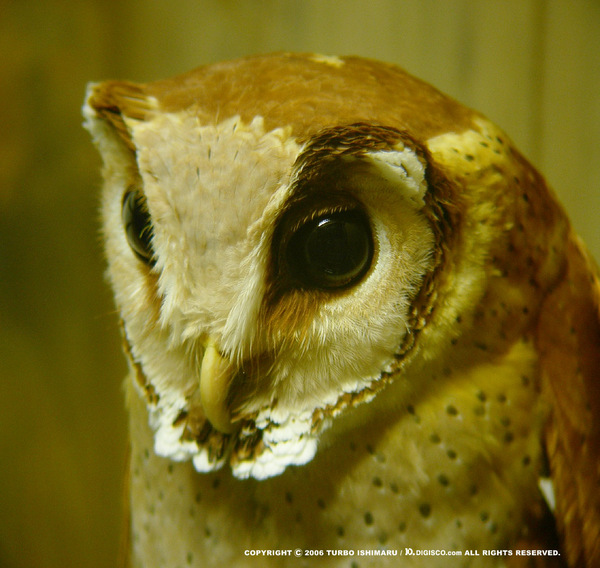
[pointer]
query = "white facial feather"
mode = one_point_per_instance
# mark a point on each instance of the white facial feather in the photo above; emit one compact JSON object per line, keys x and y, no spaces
{"x":403,"y":169}
{"x":196,"y":180}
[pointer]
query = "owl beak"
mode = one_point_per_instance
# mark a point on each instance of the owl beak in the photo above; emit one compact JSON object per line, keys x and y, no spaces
{"x":216,"y":374}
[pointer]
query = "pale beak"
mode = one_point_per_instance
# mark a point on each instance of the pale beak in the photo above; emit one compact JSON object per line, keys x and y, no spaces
{"x":216,"y":374}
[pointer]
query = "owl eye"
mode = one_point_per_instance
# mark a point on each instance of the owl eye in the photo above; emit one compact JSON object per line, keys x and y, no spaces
{"x":138,"y":225}
{"x":331,"y":251}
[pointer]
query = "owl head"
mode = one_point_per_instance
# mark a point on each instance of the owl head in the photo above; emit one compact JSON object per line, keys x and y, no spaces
{"x":291,"y":236}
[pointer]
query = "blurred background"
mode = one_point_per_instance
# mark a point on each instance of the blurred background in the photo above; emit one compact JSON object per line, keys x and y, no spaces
{"x":533,"y":66}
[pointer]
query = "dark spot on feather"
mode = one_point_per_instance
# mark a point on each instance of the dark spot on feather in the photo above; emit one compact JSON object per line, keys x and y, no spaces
{"x":425,"y":510}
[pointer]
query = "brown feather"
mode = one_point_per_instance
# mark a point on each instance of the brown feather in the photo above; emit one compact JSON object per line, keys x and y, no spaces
{"x":360,"y":90}
{"x":569,"y":341}
{"x":114,"y":100}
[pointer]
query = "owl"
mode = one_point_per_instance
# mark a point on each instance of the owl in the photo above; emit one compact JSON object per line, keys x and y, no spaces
{"x":360,"y":328}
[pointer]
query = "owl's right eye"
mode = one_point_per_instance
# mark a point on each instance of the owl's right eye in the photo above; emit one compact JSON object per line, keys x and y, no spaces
{"x":333,"y":250}
{"x":138,"y":225}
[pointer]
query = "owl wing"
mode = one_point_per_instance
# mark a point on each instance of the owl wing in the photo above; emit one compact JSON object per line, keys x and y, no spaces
{"x":569,"y":344}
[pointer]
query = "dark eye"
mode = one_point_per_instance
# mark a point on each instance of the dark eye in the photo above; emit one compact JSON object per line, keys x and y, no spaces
{"x":137,"y":225}
{"x":331,"y":251}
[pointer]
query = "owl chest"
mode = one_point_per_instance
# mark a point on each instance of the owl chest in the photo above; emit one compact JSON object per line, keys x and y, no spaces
{"x":455,"y":469}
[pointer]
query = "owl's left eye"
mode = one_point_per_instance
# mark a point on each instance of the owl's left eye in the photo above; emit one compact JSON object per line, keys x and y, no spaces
{"x":331,"y":251}
{"x":138,"y":226}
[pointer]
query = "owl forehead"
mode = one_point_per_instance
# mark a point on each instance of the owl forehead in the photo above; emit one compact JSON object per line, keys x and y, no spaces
{"x":306,"y":92}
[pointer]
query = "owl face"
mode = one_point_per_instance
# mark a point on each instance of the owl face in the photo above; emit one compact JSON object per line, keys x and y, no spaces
{"x":285,"y":243}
